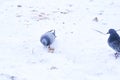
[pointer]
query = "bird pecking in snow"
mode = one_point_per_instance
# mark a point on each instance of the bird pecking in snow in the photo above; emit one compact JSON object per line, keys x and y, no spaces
{"x":114,"y":41}
{"x":47,"y":39}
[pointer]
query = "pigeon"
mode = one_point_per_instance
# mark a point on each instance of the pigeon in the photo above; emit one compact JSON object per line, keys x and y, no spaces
{"x":114,"y":41}
{"x":48,"y":38}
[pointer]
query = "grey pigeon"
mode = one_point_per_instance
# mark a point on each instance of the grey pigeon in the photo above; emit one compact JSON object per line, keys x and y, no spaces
{"x":48,"y":38}
{"x":114,"y":41}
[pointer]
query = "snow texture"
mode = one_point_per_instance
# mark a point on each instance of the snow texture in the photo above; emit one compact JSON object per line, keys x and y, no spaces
{"x":81,"y":52}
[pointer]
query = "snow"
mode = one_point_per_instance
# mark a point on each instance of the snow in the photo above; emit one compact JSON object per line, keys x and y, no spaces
{"x":81,"y":53}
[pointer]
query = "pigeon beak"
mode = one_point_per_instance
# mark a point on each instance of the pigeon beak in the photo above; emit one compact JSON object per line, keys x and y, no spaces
{"x":107,"y":33}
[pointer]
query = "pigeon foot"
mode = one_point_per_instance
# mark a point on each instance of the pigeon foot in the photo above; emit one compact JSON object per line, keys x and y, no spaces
{"x":116,"y":55}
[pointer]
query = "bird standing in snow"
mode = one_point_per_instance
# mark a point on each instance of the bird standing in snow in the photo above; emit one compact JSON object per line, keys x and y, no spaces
{"x":47,"y":39}
{"x":114,"y":41}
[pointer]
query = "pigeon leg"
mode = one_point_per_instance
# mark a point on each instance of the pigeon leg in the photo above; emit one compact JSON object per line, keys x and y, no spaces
{"x":116,"y":55}
{"x":51,"y":50}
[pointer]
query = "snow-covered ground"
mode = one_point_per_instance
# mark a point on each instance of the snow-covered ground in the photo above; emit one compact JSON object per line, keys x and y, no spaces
{"x":81,"y":53}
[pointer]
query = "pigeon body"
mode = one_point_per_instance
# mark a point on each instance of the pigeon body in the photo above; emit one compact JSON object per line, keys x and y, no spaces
{"x":48,"y":38}
{"x":114,"y":41}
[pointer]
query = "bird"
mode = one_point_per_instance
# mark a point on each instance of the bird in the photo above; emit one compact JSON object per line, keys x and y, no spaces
{"x":48,"y":38}
{"x":114,"y":41}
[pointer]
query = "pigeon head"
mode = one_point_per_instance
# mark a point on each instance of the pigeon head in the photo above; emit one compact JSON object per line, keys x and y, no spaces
{"x":111,"y":31}
{"x":113,"y":35}
{"x":45,"y":40}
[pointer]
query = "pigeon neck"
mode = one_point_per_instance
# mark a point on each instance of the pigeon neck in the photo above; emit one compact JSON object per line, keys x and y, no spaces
{"x":114,"y":37}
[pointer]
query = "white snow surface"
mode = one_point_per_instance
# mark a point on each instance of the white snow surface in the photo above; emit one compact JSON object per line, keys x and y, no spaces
{"x":81,"y":53}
